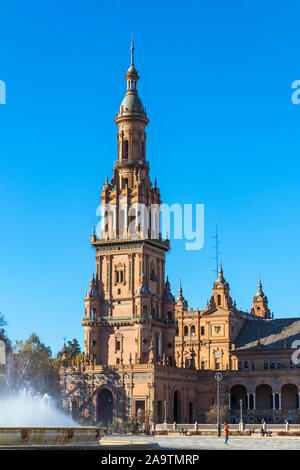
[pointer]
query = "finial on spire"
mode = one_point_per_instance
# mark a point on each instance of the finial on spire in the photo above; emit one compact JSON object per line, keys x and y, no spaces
{"x":259,"y":292}
{"x":132,"y":52}
{"x":220,"y":278}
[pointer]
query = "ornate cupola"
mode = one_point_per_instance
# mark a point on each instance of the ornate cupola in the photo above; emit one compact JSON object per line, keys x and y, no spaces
{"x":221,"y":297}
{"x":131,"y":120}
{"x":131,"y":104}
{"x":260,"y":303}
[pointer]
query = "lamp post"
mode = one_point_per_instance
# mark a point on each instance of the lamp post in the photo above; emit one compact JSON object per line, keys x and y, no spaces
{"x":165,"y":418}
{"x":241,"y":426}
{"x":218,"y":378}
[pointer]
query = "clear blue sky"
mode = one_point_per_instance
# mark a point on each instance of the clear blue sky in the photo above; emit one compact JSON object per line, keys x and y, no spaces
{"x":216,"y":80}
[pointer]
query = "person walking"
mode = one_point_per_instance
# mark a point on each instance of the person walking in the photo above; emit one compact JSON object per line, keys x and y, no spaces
{"x":226,"y":432}
{"x":287,"y":425}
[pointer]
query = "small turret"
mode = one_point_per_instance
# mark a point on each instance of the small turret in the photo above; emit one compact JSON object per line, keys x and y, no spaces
{"x":260,"y":303}
{"x":221,"y":297}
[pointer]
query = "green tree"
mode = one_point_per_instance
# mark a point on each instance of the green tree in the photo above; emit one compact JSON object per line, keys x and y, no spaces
{"x":32,"y":367}
{"x":72,"y":351}
{"x":3,"y":335}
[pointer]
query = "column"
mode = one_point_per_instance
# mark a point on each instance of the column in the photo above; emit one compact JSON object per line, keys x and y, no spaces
{"x":248,"y":401}
{"x":229,"y":401}
{"x":298,"y":401}
{"x":125,"y":207}
{"x":273,"y":397}
{"x":279,"y":396}
{"x":254,"y":401}
{"x":160,"y":345}
{"x":115,"y":219}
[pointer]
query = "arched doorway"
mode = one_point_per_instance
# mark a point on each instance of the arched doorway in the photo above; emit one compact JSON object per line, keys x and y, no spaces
{"x":264,"y":398}
{"x":105,"y":405}
{"x":237,"y":393}
{"x":177,"y":407}
{"x":289,"y":397}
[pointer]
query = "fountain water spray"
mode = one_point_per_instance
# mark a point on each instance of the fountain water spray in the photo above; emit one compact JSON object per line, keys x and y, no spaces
{"x":28,"y":409}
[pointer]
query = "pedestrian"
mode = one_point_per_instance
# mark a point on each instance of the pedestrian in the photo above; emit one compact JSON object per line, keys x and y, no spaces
{"x":226,"y":432}
{"x":287,"y":425}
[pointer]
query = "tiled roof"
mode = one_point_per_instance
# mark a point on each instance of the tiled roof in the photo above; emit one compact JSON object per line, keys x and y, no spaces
{"x":268,"y":334}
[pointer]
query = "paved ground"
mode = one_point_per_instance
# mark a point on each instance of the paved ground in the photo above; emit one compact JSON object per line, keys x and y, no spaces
{"x":214,"y":443}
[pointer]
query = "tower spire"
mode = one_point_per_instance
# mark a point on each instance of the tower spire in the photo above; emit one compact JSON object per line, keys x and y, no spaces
{"x":180,"y":296}
{"x":132,"y":53}
{"x":259,"y":291}
{"x":220,"y":278}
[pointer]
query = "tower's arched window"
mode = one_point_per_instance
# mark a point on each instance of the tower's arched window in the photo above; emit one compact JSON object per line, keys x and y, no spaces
{"x":186,"y":331}
{"x":145,"y":310}
{"x":169,"y":316}
{"x":152,"y":272}
{"x":193,"y":330}
{"x":219,"y":299}
{"x":125,"y":151}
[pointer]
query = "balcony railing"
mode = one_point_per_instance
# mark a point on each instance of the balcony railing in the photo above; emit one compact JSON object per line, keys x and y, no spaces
{"x":126,"y":161}
{"x":133,"y":317}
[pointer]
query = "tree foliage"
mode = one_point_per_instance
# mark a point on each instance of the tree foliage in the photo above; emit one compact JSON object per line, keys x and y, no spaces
{"x":211,"y":415}
{"x":31,"y":366}
{"x":3,"y":335}
{"x":72,"y":351}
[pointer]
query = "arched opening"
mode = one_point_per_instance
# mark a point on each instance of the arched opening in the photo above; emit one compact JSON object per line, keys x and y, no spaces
{"x":152,"y":272}
{"x":238,"y":392}
{"x":219,"y":299}
{"x":193,"y":330}
{"x":177,"y":407}
{"x":170,"y":316}
{"x":264,"y":398}
{"x":289,"y":397}
{"x":125,"y":149}
{"x":186,"y":331}
{"x":105,"y":405}
{"x":145,"y":309}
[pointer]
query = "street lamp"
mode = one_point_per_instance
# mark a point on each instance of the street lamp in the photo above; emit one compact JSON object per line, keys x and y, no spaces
{"x":241,"y":415}
{"x":218,"y":378}
{"x":165,"y":418}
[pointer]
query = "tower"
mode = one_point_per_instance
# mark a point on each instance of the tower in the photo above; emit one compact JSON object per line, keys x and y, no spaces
{"x":129,"y":310}
{"x":260,"y":303}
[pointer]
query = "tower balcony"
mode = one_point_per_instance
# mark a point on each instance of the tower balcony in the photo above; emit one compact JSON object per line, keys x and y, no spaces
{"x":131,"y":162}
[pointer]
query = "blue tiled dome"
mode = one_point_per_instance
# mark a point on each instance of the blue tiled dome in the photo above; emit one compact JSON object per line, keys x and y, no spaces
{"x":132,"y":104}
